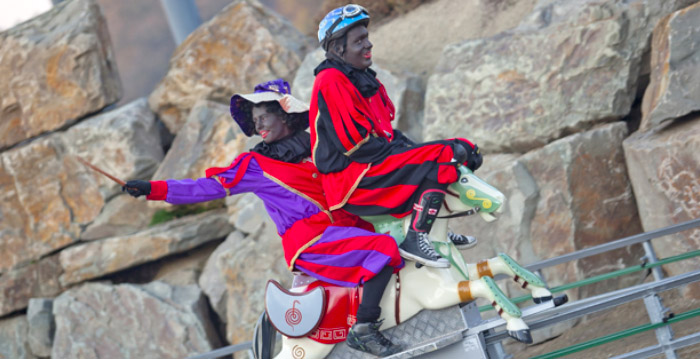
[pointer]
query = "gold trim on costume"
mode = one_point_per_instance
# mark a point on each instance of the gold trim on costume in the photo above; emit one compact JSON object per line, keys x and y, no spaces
{"x":279,"y":182}
{"x":313,"y":150}
{"x":352,"y":189}
{"x":298,"y":253}
{"x":357,"y":146}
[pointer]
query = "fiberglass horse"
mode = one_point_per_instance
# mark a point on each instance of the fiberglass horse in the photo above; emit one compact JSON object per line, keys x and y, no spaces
{"x":314,"y":316}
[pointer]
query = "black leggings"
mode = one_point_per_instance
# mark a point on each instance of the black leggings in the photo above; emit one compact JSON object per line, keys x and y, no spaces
{"x":369,"y":310}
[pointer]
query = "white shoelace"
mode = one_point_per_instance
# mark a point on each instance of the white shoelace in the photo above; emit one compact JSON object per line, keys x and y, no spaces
{"x":425,"y":246}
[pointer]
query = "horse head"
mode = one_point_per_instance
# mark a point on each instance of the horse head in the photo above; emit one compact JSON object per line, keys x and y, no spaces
{"x":472,"y":193}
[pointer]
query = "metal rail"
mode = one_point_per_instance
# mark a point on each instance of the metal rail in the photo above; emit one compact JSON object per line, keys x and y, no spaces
{"x":601,"y":302}
{"x":620,"y":243}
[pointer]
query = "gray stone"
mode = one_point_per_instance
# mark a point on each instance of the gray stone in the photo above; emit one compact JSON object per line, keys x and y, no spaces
{"x":100,"y":257}
{"x":41,"y":326}
{"x":98,"y":320}
{"x":585,"y":199}
{"x":215,"y":61}
{"x":674,"y":89}
{"x":248,"y":267}
{"x":185,"y":268}
{"x":13,"y":338}
{"x":19,"y":285}
{"x":55,"y":69}
{"x":212,"y":280}
{"x":526,"y":87}
{"x":122,"y":215}
{"x":663,"y":165}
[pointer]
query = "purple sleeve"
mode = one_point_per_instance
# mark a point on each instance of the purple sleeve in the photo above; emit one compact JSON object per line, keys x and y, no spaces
{"x":193,"y":191}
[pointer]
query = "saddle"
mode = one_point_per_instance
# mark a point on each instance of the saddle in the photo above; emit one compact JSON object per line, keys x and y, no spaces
{"x":322,"y":311}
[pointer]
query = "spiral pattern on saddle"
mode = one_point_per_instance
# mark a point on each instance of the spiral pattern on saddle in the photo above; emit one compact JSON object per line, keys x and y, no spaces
{"x":298,"y":352}
{"x":292,"y":316}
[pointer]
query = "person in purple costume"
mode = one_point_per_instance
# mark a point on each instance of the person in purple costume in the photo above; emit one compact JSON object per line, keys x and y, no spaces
{"x":333,"y":246}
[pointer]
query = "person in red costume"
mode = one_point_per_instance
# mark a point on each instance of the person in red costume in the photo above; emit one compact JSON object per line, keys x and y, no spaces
{"x":333,"y":246}
{"x":368,"y":167}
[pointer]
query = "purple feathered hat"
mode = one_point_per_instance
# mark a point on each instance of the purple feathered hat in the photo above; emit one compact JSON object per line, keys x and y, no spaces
{"x":275,"y":90}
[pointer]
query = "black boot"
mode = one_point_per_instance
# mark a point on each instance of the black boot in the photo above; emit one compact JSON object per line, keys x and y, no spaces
{"x":417,"y":245}
{"x":367,"y":338}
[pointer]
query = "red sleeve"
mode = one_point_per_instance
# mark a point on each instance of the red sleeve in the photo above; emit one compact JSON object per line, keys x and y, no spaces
{"x":159,"y":191}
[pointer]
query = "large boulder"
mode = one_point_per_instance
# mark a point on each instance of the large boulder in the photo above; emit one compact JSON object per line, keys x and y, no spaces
{"x":585,"y":199}
{"x":674,"y":89}
{"x":98,"y":320}
{"x":243,"y":45}
{"x":663,"y":165}
{"x":97,"y":258}
{"x":13,"y":338}
{"x":248,"y":265}
{"x":212,"y":279}
{"x":48,"y":195}
{"x":572,"y":66}
{"x":415,"y":40}
{"x":40,"y":279}
{"x":54,"y":70}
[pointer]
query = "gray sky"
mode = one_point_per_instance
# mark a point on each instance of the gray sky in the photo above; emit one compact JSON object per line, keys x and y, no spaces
{"x":12,"y":12}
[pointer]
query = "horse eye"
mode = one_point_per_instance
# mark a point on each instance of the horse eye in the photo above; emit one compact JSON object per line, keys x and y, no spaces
{"x":464,"y":180}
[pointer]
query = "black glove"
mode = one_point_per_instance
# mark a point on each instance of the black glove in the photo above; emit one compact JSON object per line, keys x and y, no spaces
{"x":137,"y":188}
{"x":474,"y":159}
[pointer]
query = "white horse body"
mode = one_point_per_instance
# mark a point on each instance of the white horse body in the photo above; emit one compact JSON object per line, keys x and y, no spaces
{"x":437,"y":288}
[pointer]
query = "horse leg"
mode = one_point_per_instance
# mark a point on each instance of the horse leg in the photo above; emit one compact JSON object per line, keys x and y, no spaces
{"x":486,"y":288}
{"x":504,"y":264}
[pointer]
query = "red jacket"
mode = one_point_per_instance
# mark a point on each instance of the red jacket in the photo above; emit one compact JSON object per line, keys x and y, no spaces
{"x":348,"y":137}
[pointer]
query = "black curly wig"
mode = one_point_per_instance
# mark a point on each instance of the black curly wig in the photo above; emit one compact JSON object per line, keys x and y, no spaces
{"x":295,"y":121}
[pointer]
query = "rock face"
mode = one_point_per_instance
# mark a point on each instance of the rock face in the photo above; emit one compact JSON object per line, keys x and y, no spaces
{"x":55,"y":69}
{"x":47,"y":195}
{"x":13,"y":338}
{"x":34,"y":280}
{"x":674,"y":89}
{"x":585,"y":199}
{"x":212,"y":280}
{"x":41,"y":326}
{"x":663,"y":165}
{"x":248,"y":266}
{"x":97,"y":258}
{"x":563,"y":73}
{"x":99,"y":320}
{"x":243,"y":45}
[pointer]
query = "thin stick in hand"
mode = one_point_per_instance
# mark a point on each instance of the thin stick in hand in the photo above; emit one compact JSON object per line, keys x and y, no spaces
{"x":115,"y":179}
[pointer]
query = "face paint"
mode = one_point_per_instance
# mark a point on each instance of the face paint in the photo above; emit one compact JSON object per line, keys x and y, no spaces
{"x":270,"y":126}
{"x":358,"y":49}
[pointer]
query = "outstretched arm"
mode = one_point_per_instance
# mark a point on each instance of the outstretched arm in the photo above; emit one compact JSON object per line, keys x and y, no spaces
{"x":177,"y":191}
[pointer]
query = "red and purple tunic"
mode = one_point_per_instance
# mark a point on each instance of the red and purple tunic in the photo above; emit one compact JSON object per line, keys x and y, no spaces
{"x":333,"y":246}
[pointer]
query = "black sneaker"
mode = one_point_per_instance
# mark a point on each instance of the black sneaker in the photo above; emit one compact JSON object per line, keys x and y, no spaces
{"x":367,"y":338}
{"x":461,"y":241}
{"x":417,"y":246}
